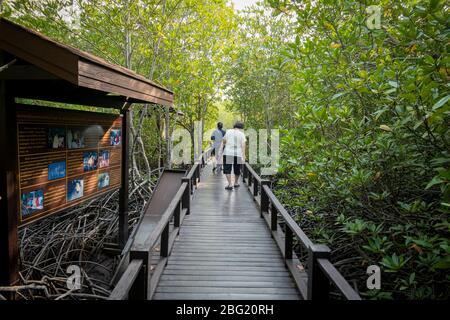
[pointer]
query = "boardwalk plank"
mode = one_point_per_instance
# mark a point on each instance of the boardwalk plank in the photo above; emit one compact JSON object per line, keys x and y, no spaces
{"x":224,"y":296}
{"x":226,"y":284}
{"x":243,"y":273}
{"x":225,"y":251}
{"x":197,"y":289}
{"x":221,"y":277}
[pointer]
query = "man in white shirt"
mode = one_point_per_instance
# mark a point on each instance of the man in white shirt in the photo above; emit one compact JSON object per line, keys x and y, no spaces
{"x":233,"y":153}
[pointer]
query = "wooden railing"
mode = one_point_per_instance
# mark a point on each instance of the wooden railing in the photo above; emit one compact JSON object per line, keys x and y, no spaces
{"x":314,"y":281}
{"x":140,"y":278}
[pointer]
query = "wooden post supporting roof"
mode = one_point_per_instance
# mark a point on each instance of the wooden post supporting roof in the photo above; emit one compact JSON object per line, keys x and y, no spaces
{"x":9,"y":247}
{"x":124,"y":172}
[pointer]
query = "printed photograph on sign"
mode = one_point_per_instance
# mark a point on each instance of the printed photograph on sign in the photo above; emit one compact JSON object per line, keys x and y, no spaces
{"x":56,"y":170}
{"x":75,"y":189}
{"x":90,"y":160}
{"x":56,"y":138}
{"x":32,"y":201}
{"x":103,"y":180}
{"x":103,"y":159}
{"x":75,"y":139}
{"x":115,"y":137}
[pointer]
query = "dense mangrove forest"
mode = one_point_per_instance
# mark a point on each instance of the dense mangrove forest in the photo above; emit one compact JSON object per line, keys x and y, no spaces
{"x":357,"y":91}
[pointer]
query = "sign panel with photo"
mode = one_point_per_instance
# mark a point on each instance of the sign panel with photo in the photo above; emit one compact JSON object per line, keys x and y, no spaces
{"x":32,"y":202}
{"x":56,"y":138}
{"x":103,"y":158}
{"x":75,"y":189}
{"x":75,"y":138}
{"x":56,"y":170}
{"x":64,"y":158}
{"x":90,"y":160}
{"x":115,"y":137}
{"x":103,"y":180}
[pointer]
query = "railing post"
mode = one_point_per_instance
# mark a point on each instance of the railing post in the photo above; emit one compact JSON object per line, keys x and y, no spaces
{"x":245,"y":173}
{"x":205,"y":157}
{"x":273,"y":218}
{"x":194,"y":177}
{"x":165,"y":241}
{"x":264,"y":208}
{"x":288,"y":243}
{"x":255,"y":187}
{"x":318,"y":283}
{"x":138,"y":290}
{"x":177,"y":216}
{"x":186,"y":199}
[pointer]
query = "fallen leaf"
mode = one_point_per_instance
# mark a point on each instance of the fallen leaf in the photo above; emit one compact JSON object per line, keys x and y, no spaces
{"x":417,"y":248}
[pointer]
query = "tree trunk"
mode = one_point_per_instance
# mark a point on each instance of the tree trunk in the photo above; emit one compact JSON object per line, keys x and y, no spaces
{"x":167,"y":134}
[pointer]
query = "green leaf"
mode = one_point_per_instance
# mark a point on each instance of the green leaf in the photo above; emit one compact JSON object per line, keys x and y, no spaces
{"x":434,"y":181}
{"x":337,"y":95}
{"x":441,"y":102}
{"x":387,"y":92}
{"x":443,"y":263}
{"x":393,"y":84}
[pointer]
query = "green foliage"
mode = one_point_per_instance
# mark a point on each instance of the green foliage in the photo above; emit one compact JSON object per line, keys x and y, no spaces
{"x":355,"y":227}
{"x":394,"y":263}
{"x":179,"y":44}
{"x":363,"y":113}
{"x":365,"y":141}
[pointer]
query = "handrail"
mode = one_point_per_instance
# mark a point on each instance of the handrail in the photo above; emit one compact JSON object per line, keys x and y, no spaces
{"x":194,"y":173}
{"x":162,"y":223}
{"x":320,"y":273}
{"x":305,"y":241}
{"x":337,"y":279}
{"x":126,"y":282}
{"x":139,"y":279}
{"x":253,"y":172}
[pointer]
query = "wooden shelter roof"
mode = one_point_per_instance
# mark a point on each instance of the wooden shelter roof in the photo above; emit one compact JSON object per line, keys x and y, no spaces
{"x":71,"y":75}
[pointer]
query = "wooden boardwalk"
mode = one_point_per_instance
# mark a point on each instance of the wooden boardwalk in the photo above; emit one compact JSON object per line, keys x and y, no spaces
{"x":225,"y":250}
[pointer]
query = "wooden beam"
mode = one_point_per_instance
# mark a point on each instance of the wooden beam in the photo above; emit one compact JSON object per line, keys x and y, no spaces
{"x":25,"y":72}
{"x":123,"y":195}
{"x":38,"y":50}
{"x":9,"y":246}
{"x":65,"y":92}
{"x":77,"y":67}
{"x":119,"y":90}
{"x":114,"y":81}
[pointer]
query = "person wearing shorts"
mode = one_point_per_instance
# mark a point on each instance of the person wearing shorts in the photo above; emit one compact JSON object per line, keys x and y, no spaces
{"x":233,"y":154}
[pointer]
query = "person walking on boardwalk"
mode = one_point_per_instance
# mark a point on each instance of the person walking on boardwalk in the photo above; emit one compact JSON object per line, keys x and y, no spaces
{"x":216,"y":153}
{"x":233,"y":153}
